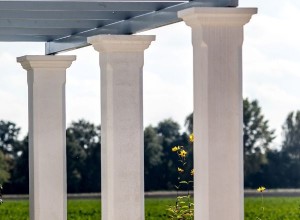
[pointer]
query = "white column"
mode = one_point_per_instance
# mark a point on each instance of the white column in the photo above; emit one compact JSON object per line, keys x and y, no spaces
{"x":122,"y":151}
{"x":217,"y":37}
{"x":46,"y":76}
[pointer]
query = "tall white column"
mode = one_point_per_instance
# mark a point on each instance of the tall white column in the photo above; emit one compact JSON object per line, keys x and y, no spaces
{"x":217,"y":37}
{"x":46,"y":76}
{"x":122,"y":151}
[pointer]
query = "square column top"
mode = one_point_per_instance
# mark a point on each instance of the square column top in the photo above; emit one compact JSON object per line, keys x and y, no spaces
{"x":121,"y":43}
{"x":212,"y":16}
{"x":40,"y":61}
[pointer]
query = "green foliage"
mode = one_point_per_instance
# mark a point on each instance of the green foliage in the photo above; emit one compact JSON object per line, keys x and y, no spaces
{"x":291,"y":132}
{"x":4,"y":168}
{"x":184,"y":207}
{"x":19,"y":182}
{"x":257,"y":137}
{"x":153,"y":158}
{"x":9,"y":133}
{"x":189,"y":121}
{"x":83,"y":157}
{"x":183,"y":210}
{"x":291,"y":146}
{"x":169,"y":132}
{"x":159,"y":161}
{"x":9,"y":146}
{"x":257,"y":134}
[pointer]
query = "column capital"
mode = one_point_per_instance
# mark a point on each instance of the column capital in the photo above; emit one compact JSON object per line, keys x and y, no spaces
{"x":121,"y":43}
{"x":213,"y":16}
{"x":31,"y":62}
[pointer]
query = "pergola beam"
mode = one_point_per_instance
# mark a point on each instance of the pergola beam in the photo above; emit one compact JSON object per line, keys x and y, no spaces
{"x":68,"y":15}
{"x":66,"y":24}
{"x":133,"y":25}
{"x":86,"y":5}
{"x":54,"y":23}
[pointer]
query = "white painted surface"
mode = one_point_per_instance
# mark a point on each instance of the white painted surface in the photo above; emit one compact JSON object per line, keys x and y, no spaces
{"x":217,"y":37}
{"x":46,"y":76}
{"x":122,"y":152}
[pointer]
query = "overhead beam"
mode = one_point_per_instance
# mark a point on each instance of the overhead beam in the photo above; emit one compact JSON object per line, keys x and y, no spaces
{"x":40,"y":31}
{"x":85,"y":5}
{"x":21,"y":23}
{"x":68,"y":15}
{"x":131,"y":26}
{"x":26,"y":38}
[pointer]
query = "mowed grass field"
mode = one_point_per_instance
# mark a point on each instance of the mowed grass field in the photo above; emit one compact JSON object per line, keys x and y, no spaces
{"x":274,"y":209}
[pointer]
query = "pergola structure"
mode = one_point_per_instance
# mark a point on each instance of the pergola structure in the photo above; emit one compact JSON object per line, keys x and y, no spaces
{"x":109,"y":25}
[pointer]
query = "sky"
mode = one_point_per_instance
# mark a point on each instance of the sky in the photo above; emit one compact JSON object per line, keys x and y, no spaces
{"x":271,"y":56}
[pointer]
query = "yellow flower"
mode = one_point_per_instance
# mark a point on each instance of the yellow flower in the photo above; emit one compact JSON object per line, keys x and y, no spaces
{"x":180,"y":170}
{"x":192,"y":172}
{"x":261,"y":189}
{"x":191,"y":138}
{"x":174,"y":149}
{"x":182,"y":153}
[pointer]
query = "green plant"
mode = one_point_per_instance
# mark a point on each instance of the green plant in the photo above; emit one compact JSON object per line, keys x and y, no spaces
{"x":184,"y":206}
{"x":261,"y":189}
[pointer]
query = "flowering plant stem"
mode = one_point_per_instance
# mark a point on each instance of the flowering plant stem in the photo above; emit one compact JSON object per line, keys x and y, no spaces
{"x":184,"y":208}
{"x":261,"y":189}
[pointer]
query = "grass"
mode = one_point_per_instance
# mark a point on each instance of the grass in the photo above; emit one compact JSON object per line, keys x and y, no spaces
{"x":275,"y":209}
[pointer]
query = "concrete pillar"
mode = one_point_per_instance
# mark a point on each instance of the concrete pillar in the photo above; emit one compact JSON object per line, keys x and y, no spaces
{"x":217,"y":37}
{"x":46,"y":76}
{"x":122,"y":152}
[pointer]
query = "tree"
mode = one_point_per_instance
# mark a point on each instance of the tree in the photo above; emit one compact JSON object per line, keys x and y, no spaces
{"x":153,"y":155}
{"x":83,"y":157}
{"x":9,"y":145}
{"x":257,"y":137}
{"x":19,"y":183}
{"x":76,"y":157}
{"x":291,"y":133}
{"x":257,"y":134}
{"x":4,"y":169}
{"x":291,"y":146}
{"x":9,"y":133}
{"x":169,"y":133}
{"x":189,"y":121}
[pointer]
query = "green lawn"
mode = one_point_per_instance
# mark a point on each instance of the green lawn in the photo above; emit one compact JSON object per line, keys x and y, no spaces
{"x":275,"y":209}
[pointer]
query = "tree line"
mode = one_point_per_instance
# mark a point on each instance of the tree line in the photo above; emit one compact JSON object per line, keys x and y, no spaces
{"x":263,"y":165}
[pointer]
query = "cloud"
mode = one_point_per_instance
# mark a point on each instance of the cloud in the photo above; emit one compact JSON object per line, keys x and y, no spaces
{"x":271,"y":70}
{"x":164,"y":100}
{"x":271,"y":60}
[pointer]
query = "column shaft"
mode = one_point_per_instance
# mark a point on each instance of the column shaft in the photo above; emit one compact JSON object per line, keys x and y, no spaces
{"x":122,"y":152}
{"x":46,"y":77}
{"x":218,"y":153}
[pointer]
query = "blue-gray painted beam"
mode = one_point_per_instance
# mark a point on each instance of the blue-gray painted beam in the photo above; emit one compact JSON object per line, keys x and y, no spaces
{"x":85,"y":5}
{"x":26,"y":38}
{"x":131,"y":26}
{"x":40,"y":31}
{"x":70,"y":24}
{"x":68,"y":15}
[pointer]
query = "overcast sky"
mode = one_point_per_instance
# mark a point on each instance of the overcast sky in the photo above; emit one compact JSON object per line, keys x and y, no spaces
{"x":271,"y":58}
